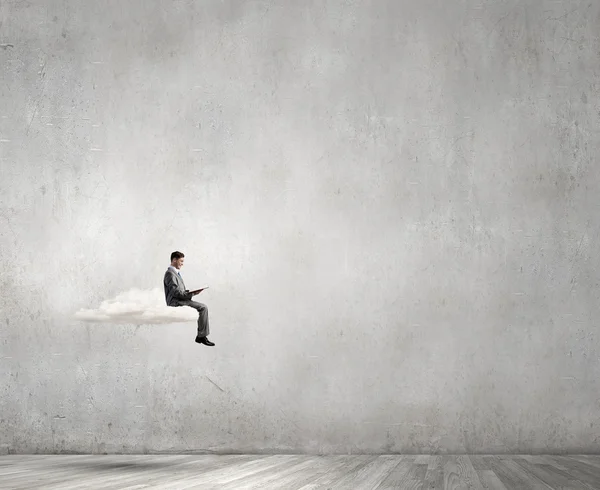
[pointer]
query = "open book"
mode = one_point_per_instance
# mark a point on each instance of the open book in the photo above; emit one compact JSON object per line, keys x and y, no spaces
{"x":196,"y":291}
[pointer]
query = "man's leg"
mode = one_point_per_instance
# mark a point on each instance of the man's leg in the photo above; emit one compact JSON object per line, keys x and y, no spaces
{"x":203,"y":324}
{"x":203,"y":327}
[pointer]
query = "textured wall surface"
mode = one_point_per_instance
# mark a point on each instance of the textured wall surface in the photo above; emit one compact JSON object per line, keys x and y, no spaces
{"x":395,"y":204}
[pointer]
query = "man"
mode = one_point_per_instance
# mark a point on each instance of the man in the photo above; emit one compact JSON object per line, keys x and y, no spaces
{"x":177,"y":295}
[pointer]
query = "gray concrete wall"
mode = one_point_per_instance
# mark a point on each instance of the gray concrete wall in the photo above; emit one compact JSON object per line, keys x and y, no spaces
{"x":395,"y":204}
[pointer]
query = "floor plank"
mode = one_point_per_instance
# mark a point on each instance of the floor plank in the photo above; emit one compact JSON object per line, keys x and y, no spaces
{"x":512,"y":475}
{"x":588,"y":459}
{"x":265,"y":477}
{"x":434,"y":478}
{"x":350,"y":465}
{"x":556,"y":480}
{"x":329,"y":465}
{"x":300,"y":472}
{"x":273,"y":463}
{"x":57,"y":469}
{"x":407,"y":474}
{"x":580,"y":471}
{"x":191,"y":465}
{"x":593,"y":465}
{"x":459,"y":474}
{"x":350,"y":478}
{"x":370,"y":476}
{"x":490,"y":481}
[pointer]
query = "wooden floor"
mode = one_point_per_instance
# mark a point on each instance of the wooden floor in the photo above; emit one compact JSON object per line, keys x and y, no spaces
{"x":289,"y":472}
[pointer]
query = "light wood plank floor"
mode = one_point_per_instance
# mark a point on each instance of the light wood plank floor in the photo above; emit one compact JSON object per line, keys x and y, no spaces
{"x":291,"y":472}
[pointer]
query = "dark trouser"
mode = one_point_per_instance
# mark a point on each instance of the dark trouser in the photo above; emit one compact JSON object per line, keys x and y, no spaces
{"x":202,"y":309}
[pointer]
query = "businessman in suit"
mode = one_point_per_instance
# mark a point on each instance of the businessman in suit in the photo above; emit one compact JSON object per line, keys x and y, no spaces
{"x":177,"y":295}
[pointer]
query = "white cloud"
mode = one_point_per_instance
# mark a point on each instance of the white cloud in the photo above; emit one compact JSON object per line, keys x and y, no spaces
{"x":138,"y":306}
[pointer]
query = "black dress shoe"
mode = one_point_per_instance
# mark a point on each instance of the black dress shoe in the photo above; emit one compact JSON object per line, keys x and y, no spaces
{"x":205,"y":341}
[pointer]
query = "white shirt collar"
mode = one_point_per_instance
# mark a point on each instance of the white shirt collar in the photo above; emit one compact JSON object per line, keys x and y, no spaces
{"x":175,"y":270}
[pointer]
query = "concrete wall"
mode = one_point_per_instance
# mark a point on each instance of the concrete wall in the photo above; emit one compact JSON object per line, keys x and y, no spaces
{"x":395,"y":204}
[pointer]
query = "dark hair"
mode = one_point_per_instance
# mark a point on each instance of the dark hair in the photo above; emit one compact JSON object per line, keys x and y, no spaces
{"x":176,"y":255}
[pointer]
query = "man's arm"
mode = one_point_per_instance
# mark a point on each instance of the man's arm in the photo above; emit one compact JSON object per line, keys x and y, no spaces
{"x":178,"y":292}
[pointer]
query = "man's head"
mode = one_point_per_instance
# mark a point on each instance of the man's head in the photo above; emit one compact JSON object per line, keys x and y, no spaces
{"x":177,"y":259}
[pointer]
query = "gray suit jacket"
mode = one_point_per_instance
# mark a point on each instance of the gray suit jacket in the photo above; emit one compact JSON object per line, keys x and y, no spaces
{"x":175,"y":289}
